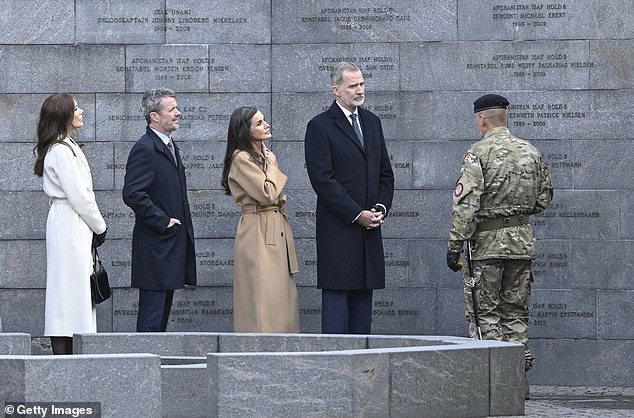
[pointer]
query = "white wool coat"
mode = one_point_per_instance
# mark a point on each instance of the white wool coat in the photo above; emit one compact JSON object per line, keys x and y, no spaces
{"x":72,"y":218}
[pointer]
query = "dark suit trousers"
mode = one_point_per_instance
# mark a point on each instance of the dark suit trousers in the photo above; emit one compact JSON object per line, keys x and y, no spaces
{"x":346,"y":311}
{"x":154,"y":310}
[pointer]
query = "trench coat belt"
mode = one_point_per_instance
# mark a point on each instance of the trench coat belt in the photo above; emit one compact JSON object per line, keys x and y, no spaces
{"x":288,"y":234}
{"x":501,"y":222}
{"x":58,"y":200}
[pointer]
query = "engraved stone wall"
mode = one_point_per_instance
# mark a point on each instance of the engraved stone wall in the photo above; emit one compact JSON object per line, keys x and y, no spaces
{"x":566,"y":66}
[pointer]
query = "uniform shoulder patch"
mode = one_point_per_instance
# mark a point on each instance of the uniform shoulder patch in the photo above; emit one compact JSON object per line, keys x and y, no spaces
{"x":458,"y":190}
{"x":470,"y":158}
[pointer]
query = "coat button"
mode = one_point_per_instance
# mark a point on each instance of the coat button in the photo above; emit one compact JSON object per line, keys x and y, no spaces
{"x":282,"y":234}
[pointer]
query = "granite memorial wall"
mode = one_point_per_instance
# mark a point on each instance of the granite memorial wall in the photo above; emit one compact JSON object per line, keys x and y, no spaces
{"x":566,"y":66}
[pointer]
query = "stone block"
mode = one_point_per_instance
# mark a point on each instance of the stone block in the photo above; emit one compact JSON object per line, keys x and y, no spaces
{"x":460,"y":378}
{"x":326,"y":22}
{"x":563,"y":313}
{"x":240,"y":68}
{"x":15,"y":273}
{"x":290,"y":159}
{"x":121,"y":384}
{"x":37,"y":23}
{"x":427,"y":267}
{"x":451,"y":312}
{"x":218,"y":221}
{"x":506,"y":389}
{"x":45,"y":68}
{"x":579,"y":214}
{"x":554,"y":266}
{"x":15,"y":344}
{"x":27,"y":106}
{"x":581,"y":19}
{"x":404,"y":311}
{"x":200,"y":309}
{"x":272,"y":343}
{"x":184,"y":68}
{"x":22,"y":310}
{"x":418,"y":214}
{"x":205,"y":117}
{"x":204,"y":162}
{"x":582,"y":362}
{"x":607,"y":173}
{"x":437,"y":164}
{"x":119,"y":217}
{"x":399,"y":272}
{"x":307,"y":259}
{"x":495,"y":65}
{"x":614,"y":314}
{"x":614,"y":60}
{"x":588,"y":261}
{"x":309,"y":310}
{"x":218,"y":22}
{"x":184,"y":390}
{"x":214,"y":259}
{"x":113,"y":23}
{"x":100,"y":156}
{"x":563,"y":164}
{"x":378,"y":61}
{"x":301,"y":209}
{"x":338,"y":384}
{"x":164,"y":344}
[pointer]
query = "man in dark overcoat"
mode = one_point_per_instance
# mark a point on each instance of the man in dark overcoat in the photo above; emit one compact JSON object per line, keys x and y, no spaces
{"x":350,"y":171}
{"x":163,"y":256}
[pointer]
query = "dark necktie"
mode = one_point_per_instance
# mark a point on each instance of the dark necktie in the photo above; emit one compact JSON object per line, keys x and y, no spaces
{"x":170,"y":145}
{"x":357,"y":129}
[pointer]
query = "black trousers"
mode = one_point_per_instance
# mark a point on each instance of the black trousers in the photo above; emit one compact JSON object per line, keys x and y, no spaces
{"x":154,"y":310}
{"x":346,"y":311}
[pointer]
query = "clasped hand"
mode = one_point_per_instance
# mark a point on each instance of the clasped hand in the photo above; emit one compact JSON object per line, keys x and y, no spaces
{"x":370,"y":219}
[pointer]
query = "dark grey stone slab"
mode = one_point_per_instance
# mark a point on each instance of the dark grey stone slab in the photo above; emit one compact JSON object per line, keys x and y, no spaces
{"x":239,"y":68}
{"x":378,"y":61}
{"x":214,"y":259}
{"x":159,"y":343}
{"x":301,"y":213}
{"x":271,"y":343}
{"x":563,"y":314}
{"x":626,"y":223}
{"x":45,"y":68}
{"x":582,"y":362}
{"x":506,"y":390}
{"x":579,"y":19}
{"x":437,"y":164}
{"x":200,"y":309}
{"x":564,"y":114}
{"x":119,"y":217}
{"x":204,"y":162}
{"x":307,"y":259}
{"x":399,"y":271}
{"x":326,"y":21}
{"x":217,"y":221}
{"x":180,"y":396}
{"x":184,"y":68}
{"x":418,"y":214}
{"x":15,"y":273}
{"x":495,"y":65}
{"x":404,"y":311}
{"x":451,"y":317}
{"x":588,"y":261}
{"x":608,"y":173}
{"x":22,"y":310}
{"x":37,"y":23}
{"x":28,"y":211}
{"x":579,"y":214}
{"x":100,"y":156}
{"x":402,"y":158}
{"x":555,"y":265}
{"x":205,"y":117}
{"x":123,"y":384}
{"x":115,"y":22}
{"x":290,"y":159}
{"x":16,"y":168}
{"x":614,"y":60}
{"x":562,"y":163}
{"x":15,"y":344}
{"x":614,"y":312}
{"x":116,"y":256}
{"x":427,"y":265}
{"x":217,"y":22}
{"x":463,"y":385}
{"x":309,"y":309}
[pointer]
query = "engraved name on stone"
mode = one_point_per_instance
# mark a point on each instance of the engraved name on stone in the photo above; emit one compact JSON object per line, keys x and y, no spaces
{"x":210,"y":258}
{"x":358,"y":18}
{"x":200,"y":164}
{"x":186,"y":20}
{"x":209,"y":210}
{"x":541,"y":114}
{"x":386,"y":307}
{"x":544,"y":314}
{"x":546,"y":263}
{"x":529,"y":66}
{"x":371,"y":65}
{"x":559,"y":210}
{"x":537,"y":14}
{"x":167,"y":68}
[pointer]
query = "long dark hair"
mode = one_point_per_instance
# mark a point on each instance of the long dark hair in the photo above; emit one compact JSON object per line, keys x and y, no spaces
{"x":239,"y":138}
{"x":53,"y":126}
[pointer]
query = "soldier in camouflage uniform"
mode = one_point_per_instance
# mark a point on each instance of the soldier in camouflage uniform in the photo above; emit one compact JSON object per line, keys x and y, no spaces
{"x":502,"y":181}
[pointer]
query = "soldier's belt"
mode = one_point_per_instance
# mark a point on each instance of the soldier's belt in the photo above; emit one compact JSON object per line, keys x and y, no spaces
{"x":502,"y":222}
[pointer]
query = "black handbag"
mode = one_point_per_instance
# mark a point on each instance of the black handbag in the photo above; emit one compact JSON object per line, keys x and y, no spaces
{"x":99,"y":285}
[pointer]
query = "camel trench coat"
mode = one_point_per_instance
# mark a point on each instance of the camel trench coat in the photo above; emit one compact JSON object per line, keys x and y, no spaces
{"x":265,"y":297}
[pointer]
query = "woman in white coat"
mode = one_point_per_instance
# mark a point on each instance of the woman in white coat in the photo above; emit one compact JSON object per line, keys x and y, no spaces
{"x":73,"y":225}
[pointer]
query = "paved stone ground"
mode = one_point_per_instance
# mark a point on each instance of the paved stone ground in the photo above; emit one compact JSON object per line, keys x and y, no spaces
{"x":582,"y":402}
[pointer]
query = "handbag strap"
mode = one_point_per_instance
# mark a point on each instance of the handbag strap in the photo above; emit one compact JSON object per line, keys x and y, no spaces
{"x":95,"y":257}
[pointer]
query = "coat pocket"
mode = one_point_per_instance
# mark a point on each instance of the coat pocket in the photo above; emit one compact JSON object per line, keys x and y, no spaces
{"x":270,"y":223}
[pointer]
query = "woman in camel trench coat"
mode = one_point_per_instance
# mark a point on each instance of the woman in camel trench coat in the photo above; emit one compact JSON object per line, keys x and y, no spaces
{"x":265,"y":295}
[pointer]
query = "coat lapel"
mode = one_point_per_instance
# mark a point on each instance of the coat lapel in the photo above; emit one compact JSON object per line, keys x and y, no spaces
{"x":161,"y":147}
{"x":340,"y":120}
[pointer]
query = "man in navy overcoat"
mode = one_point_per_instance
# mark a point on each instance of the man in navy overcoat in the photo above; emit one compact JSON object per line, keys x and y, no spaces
{"x":163,"y":257}
{"x":350,"y":171}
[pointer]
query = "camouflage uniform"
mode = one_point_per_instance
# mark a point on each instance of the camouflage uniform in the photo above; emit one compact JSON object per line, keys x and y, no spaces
{"x":501,"y":176}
